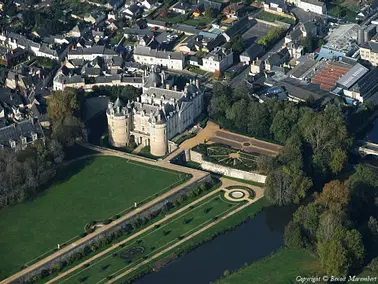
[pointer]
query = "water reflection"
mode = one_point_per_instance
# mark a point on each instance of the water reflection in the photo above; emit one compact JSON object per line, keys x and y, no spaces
{"x":251,"y":241}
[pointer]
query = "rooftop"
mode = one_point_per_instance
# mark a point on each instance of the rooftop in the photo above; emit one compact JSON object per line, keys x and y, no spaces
{"x":352,"y":76}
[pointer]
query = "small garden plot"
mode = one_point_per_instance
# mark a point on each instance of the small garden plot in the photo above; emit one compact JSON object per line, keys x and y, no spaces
{"x":227,"y":156}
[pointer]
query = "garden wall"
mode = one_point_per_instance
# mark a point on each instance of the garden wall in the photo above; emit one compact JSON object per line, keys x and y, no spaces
{"x":118,"y":224}
{"x":194,"y":156}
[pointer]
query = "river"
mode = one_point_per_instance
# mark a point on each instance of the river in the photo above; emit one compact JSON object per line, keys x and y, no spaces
{"x":253,"y":240}
{"x":373,"y":134}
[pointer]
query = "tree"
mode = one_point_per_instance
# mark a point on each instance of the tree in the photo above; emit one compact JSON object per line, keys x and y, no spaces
{"x":326,"y":133}
{"x":308,"y":218}
{"x":307,"y":43}
{"x":62,"y":104}
{"x":284,"y":122}
{"x":342,"y":252}
{"x":293,"y":236}
{"x":237,"y":44}
{"x":335,"y":196}
{"x":277,"y":187}
{"x":328,"y":224}
{"x":210,"y":13}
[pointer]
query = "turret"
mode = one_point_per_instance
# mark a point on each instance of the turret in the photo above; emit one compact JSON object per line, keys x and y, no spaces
{"x":159,"y":139}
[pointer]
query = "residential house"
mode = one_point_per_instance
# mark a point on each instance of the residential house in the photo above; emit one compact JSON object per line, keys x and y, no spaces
{"x":218,"y":60}
{"x":275,"y":6}
{"x":251,"y":53}
{"x":91,"y":53}
{"x":94,"y":17}
{"x":232,"y":11}
{"x":19,"y":136}
{"x":369,"y":52}
{"x":314,"y":6}
{"x":211,"y":4}
{"x":181,"y":7}
{"x":277,"y":59}
{"x":13,"y":57}
{"x":148,"y":56}
{"x":133,"y":11}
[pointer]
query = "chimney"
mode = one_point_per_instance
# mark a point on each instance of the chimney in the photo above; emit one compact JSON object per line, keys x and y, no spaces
{"x":197,"y":83}
{"x":175,"y":88}
{"x":167,"y":86}
{"x":155,"y":84}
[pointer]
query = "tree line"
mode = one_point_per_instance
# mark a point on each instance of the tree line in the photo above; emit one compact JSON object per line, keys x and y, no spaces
{"x":316,"y":142}
{"x":339,"y":225}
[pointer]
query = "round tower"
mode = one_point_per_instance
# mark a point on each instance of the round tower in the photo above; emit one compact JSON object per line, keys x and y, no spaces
{"x":159,"y":141}
{"x":118,"y":124}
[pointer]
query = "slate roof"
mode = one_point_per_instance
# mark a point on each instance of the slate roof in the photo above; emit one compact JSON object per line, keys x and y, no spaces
{"x":146,"y":51}
{"x":16,"y":131}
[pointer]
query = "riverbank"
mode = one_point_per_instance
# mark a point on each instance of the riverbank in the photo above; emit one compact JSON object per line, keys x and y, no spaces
{"x":284,"y":266}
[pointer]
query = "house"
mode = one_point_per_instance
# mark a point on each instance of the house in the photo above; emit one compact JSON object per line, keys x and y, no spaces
{"x":147,"y":4}
{"x":19,"y":135}
{"x":273,"y":6}
{"x":369,"y":52}
{"x":75,"y":32}
{"x":232,"y":11}
{"x":181,"y":7}
{"x":218,"y":60}
{"x":210,"y":4}
{"x":91,"y":53}
{"x":133,"y":11}
{"x":314,"y":6}
{"x":13,"y":57}
{"x":277,"y":59}
{"x":94,"y":17}
{"x":149,"y":56}
{"x":195,"y":61}
{"x":114,"y":4}
{"x":251,"y":53}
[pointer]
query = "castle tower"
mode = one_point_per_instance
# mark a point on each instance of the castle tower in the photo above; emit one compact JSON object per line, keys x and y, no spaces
{"x":159,"y":141}
{"x":119,"y":123}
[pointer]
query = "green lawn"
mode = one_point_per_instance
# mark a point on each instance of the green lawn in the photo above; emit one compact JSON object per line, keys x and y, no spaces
{"x":154,"y":240}
{"x":281,"y":267}
{"x":266,"y":16}
{"x":91,"y":189}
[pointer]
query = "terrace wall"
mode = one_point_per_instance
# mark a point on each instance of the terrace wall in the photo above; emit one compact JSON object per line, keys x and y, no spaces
{"x":118,"y":224}
{"x":194,"y":156}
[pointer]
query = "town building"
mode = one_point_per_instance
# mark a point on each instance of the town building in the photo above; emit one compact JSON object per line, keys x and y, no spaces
{"x":369,"y":52}
{"x":314,"y":6}
{"x":167,"y":59}
{"x":160,"y":113}
{"x":218,"y":60}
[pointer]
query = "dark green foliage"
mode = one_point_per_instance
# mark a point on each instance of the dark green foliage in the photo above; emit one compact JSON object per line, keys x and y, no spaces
{"x":293,"y":236}
{"x":124,"y":93}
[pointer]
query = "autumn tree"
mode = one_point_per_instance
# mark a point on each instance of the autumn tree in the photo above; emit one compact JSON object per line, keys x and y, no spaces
{"x":335,"y":196}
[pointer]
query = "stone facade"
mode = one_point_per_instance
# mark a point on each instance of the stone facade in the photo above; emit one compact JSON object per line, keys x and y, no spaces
{"x":158,"y":115}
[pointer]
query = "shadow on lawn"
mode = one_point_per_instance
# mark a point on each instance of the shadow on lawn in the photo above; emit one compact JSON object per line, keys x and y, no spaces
{"x":62,"y":175}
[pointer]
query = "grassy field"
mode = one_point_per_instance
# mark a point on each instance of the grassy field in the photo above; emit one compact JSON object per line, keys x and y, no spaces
{"x":91,"y":189}
{"x":266,"y":16}
{"x":281,"y":267}
{"x":154,"y":240}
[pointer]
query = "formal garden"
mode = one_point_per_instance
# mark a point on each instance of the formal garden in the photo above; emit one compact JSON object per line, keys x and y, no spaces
{"x":155,"y":240}
{"x":92,"y":189}
{"x":227,"y":156}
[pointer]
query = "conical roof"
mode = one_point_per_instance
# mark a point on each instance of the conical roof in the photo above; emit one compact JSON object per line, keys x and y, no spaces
{"x":118,"y":103}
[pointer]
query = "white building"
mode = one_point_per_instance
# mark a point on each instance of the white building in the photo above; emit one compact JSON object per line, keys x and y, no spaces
{"x":218,"y":60}
{"x":314,"y":6}
{"x":148,"y":56}
{"x":91,"y":53}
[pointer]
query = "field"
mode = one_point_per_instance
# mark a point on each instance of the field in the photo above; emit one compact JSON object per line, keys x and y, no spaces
{"x":91,"y":189}
{"x":281,"y":267}
{"x":266,"y":16}
{"x":134,"y":252}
